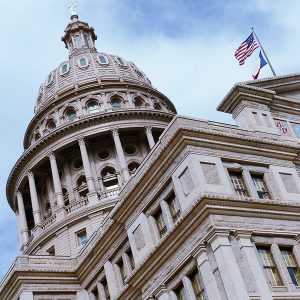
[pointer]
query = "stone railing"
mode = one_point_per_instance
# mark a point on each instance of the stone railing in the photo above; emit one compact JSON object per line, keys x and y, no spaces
{"x":109,"y":193}
{"x":77,"y":205}
{"x":48,"y":222}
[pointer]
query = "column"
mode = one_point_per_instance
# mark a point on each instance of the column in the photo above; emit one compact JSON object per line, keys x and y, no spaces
{"x":57,"y":184}
{"x":188,"y":288}
{"x":249,"y":252}
{"x":34,"y":200}
{"x":209,"y":280}
{"x":23,"y":222}
{"x":150,"y":137}
{"x":229,"y":270}
{"x":120,"y":155}
{"x":101,"y":291}
{"x":86,"y":165}
{"x":111,"y":280}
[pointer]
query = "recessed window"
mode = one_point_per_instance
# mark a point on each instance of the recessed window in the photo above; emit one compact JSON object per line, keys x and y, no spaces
{"x":83,"y":62}
{"x":157,"y":106}
{"x":37,"y":136}
{"x":78,"y":41}
{"x":291,"y":264}
{"x":174,"y":207}
{"x":238,"y":183}
{"x":109,"y":178}
{"x":161,"y":226}
{"x":104,"y":154}
{"x":71,"y":114}
{"x":260,"y":185}
{"x":51,"y":124}
{"x":82,"y":237}
{"x":93,"y":107}
{"x":180,"y":292}
{"x":77,"y":163}
{"x":116,"y":103}
{"x":138,"y":103}
{"x":82,"y":187}
{"x":131,"y":259}
{"x":130,"y":149}
{"x":66,"y":196}
{"x":121,"y":61}
{"x":102,"y":59}
{"x":49,"y":79}
{"x":197,"y":286}
{"x":64,"y":69}
{"x":86,"y":40}
{"x":121,"y":267}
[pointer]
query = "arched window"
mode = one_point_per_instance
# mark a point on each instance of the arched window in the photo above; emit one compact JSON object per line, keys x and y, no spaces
{"x":86,"y":40}
{"x":51,"y":125}
{"x":138,"y":103}
{"x":132,"y":167}
{"x":121,"y":61}
{"x":109,"y":178}
{"x":66,"y":196}
{"x":157,"y":106}
{"x":37,"y":136}
{"x":82,"y":186}
{"x":102,"y":59}
{"x":64,"y":68}
{"x":116,"y":103}
{"x":93,"y":107}
{"x":83,"y":62}
{"x":49,"y":78}
{"x":71,"y":114}
{"x":78,"y":41}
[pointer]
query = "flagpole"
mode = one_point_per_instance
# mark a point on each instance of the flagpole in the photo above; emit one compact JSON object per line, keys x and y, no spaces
{"x":262,"y":49}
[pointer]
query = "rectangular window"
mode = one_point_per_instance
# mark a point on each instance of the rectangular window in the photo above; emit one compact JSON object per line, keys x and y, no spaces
{"x":131,"y":259}
{"x":269,"y":266}
{"x":104,"y":284}
{"x":238,"y":183}
{"x":210,"y":173}
{"x":82,"y":237}
{"x":161,"y":226}
{"x":289,"y":183}
{"x":260,"y":185}
{"x":291,"y":264}
{"x":196,"y":283}
{"x":174,"y":207}
{"x":180,"y":293}
{"x":120,"y":265}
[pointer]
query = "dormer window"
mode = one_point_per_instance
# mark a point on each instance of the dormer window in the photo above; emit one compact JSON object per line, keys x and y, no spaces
{"x":78,"y":42}
{"x":49,"y":79}
{"x":64,"y":69}
{"x":83,"y":62}
{"x":102,"y":60}
{"x":121,"y":61}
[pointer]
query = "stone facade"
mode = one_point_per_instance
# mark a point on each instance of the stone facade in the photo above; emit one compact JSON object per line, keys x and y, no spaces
{"x":117,"y":197}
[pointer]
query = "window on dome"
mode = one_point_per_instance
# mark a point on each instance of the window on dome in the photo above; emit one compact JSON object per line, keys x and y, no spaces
{"x":121,"y":61}
{"x":64,"y":69}
{"x":37,"y":136}
{"x":51,"y":125}
{"x":82,"y":186}
{"x":82,"y":238}
{"x":86,"y":40}
{"x":83,"y":62}
{"x":109,"y":178}
{"x":157,"y":106}
{"x":116,"y":103}
{"x":78,"y":42}
{"x":93,"y":107}
{"x":49,"y":79}
{"x":71,"y":115}
{"x":138,"y":103}
{"x":102,"y":60}
{"x":66,"y":196}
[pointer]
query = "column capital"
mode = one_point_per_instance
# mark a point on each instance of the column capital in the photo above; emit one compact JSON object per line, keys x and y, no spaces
{"x":198,"y":250}
{"x":81,"y":140}
{"x":19,"y":194}
{"x":244,"y":237}
{"x":148,"y":129}
{"x":51,"y":155}
{"x":218,"y":237}
{"x":30,"y":174}
{"x":115,"y":131}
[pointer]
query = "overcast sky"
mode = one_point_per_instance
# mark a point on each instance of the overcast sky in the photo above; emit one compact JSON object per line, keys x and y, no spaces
{"x":186,"y":47}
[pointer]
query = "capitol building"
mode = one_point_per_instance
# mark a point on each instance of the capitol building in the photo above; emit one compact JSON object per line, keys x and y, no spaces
{"x":118,"y":197}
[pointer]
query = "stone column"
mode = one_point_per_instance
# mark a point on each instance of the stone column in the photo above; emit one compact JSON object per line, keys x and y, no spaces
{"x":188,"y":288}
{"x":34,"y":200}
{"x":229,"y":270}
{"x":120,"y":155}
{"x":150,"y":138}
{"x":101,"y":291}
{"x":111,"y":280}
{"x":57,"y":185}
{"x":209,"y":280}
{"x":86,"y":165}
{"x":23,"y":222}
{"x":249,"y":252}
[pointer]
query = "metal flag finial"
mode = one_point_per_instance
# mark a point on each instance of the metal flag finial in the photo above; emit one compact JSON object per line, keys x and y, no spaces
{"x":73,"y":5}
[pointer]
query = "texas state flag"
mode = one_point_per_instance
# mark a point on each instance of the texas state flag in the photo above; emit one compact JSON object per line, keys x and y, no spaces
{"x":262,"y":64}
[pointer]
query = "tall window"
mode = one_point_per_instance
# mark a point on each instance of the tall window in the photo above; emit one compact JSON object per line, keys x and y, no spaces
{"x":238,"y":183}
{"x":93,"y":107}
{"x":121,"y":268}
{"x":116,"y":103}
{"x":196,"y":283}
{"x":82,"y":237}
{"x":260,"y":185}
{"x":161,"y":226}
{"x":104,"y":284}
{"x":180,"y":292}
{"x":51,"y":124}
{"x":174,"y":207}
{"x":78,"y":42}
{"x":131,"y":259}
{"x":138,"y":103}
{"x":71,"y":115}
{"x":291,"y":264}
{"x":86,"y":40}
{"x":269,"y":266}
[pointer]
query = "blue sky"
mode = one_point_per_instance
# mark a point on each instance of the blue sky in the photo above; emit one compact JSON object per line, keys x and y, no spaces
{"x":185,"y":47}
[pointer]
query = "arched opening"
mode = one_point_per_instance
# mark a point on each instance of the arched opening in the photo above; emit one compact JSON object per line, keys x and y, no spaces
{"x":82,"y":186}
{"x":51,"y":125}
{"x":93,"y":107}
{"x":37,"y":136}
{"x":109,"y":178}
{"x":139,"y":103}
{"x":132,"y":167}
{"x":70,"y":114}
{"x":116,"y":103}
{"x":157,"y":106}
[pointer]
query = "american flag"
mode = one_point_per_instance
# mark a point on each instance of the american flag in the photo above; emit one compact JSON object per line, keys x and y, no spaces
{"x":246,"y":49}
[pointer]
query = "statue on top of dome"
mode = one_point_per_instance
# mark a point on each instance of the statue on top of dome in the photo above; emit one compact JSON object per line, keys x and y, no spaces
{"x":73,"y":5}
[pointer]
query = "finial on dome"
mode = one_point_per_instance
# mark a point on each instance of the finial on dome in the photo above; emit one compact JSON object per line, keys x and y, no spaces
{"x":73,"y":12}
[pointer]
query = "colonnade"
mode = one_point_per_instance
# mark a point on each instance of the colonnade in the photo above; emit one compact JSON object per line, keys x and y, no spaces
{"x":61,"y":208}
